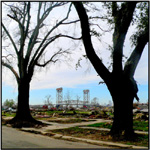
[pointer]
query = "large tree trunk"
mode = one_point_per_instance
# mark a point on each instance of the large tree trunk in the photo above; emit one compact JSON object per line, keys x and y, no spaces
{"x":123,"y":117}
{"x":23,"y":116}
{"x":23,"y":111}
{"x":123,"y":94}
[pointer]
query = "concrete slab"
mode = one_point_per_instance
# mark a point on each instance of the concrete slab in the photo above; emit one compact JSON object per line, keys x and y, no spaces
{"x":102,"y":143}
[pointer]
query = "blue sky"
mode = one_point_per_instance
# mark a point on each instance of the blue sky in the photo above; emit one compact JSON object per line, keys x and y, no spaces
{"x":46,"y":80}
{"x":99,"y":91}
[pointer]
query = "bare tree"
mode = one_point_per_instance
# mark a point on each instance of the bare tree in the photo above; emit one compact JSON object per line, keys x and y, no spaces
{"x":94,"y":101}
{"x":48,"y":101}
{"x":68,"y":98}
{"x":120,"y":81}
{"x":29,"y":45}
{"x":78,"y":99}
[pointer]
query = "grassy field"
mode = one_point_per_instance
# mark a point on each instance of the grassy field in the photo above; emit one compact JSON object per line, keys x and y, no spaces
{"x":137,"y":125}
{"x":101,"y":125}
{"x":140,"y":125}
{"x":69,"y":112}
{"x":7,"y":114}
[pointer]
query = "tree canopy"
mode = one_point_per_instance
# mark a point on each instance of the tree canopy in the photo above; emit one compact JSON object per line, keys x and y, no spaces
{"x":9,"y":102}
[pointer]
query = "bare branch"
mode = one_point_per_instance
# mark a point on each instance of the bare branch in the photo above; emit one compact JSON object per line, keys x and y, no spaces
{"x":133,"y":60}
{"x":64,"y":23}
{"x":54,"y":38}
{"x":16,"y":19}
{"x":47,"y":62}
{"x":6,"y":57}
{"x":12,"y":41}
{"x":51,"y":60}
{"x":34,"y":61}
{"x":39,"y":10}
{"x":19,"y":15}
{"x":67,"y":36}
{"x":21,"y":27}
{"x":12,"y":69}
{"x":32,"y":41}
{"x":47,"y":11}
{"x":24,"y":13}
{"x":100,"y":27}
{"x":35,"y":34}
{"x":39,"y":51}
{"x":101,"y":82}
{"x":14,"y":9}
{"x":28,"y":21}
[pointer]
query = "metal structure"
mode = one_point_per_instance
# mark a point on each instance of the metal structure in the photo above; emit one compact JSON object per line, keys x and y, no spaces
{"x":59,"y":95}
{"x":67,"y":103}
{"x":86,"y":96}
{"x":70,"y":103}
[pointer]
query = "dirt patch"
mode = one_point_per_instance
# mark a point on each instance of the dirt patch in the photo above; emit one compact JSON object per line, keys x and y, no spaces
{"x":140,"y":140}
{"x":20,"y":124}
{"x":64,"y":121}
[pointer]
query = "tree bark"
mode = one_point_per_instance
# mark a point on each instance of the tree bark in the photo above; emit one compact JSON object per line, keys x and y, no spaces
{"x":123,"y":92}
{"x":23,"y":116}
{"x":23,"y":111}
{"x":123,"y":117}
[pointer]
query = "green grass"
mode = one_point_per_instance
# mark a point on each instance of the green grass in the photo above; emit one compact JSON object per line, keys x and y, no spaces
{"x":144,"y":139}
{"x":7,"y":114}
{"x":137,"y":125}
{"x":52,"y":112}
{"x":83,"y":112}
{"x":69,"y":112}
{"x":109,"y":113}
{"x":76,"y":129}
{"x":69,"y":130}
{"x":101,"y":125}
{"x":140,"y":125}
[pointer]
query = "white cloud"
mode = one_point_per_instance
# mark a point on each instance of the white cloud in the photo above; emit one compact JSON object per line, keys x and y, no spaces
{"x":141,"y":75}
{"x":67,"y":76}
{"x":63,"y":76}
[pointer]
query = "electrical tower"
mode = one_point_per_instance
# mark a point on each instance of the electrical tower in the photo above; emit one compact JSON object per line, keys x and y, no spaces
{"x":59,"y":95}
{"x":86,"y":96}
